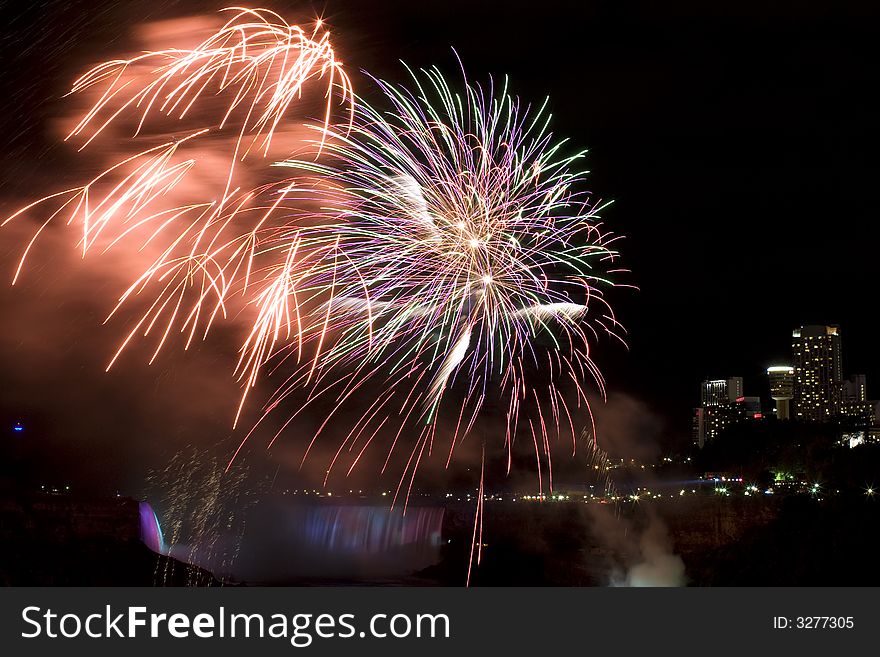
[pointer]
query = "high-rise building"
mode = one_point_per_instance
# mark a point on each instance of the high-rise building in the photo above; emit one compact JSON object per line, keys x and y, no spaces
{"x":723,"y":404}
{"x":721,"y":391}
{"x":855,"y":409}
{"x":699,"y":428}
{"x":710,"y":421}
{"x":855,"y":388}
{"x":782,"y":389}
{"x":818,"y":373}
{"x":749,"y":408}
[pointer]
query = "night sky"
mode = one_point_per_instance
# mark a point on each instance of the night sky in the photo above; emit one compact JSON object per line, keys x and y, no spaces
{"x":739,"y":141}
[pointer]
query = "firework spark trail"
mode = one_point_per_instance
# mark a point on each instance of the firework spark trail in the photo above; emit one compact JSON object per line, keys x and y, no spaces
{"x":477,"y":538}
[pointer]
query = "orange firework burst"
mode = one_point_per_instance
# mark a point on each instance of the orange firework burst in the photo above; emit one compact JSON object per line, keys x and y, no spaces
{"x":258,"y":64}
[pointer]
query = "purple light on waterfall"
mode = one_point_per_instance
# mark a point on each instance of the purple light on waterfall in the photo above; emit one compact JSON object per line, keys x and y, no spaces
{"x":368,"y":529}
{"x":151,"y":532}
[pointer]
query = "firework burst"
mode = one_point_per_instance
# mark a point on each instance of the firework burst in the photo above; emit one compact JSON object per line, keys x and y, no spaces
{"x":457,"y":248}
{"x":258,"y":65}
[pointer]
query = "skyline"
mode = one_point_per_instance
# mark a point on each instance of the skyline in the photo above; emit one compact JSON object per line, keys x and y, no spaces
{"x":789,"y":364}
{"x":811,"y":388}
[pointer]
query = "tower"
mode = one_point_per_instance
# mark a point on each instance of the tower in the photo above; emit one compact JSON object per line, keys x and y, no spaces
{"x":782,"y":389}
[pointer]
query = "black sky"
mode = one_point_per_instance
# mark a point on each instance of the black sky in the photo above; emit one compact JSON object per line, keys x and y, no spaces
{"x":739,"y":141}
